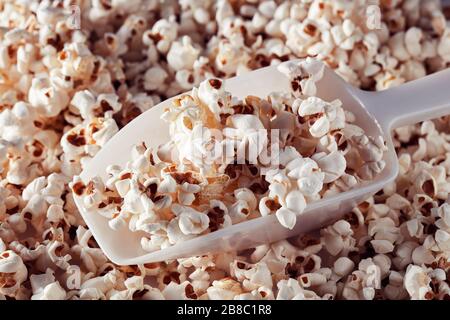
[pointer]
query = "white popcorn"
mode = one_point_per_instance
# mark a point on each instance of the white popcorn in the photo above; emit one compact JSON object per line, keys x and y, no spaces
{"x":181,"y":291}
{"x":182,"y":55}
{"x":165,"y":32}
{"x":93,"y":258}
{"x":295,"y":201}
{"x":308,"y":71}
{"x":344,"y":35}
{"x":286,"y":217}
{"x":225,"y":289}
{"x":333,"y":165}
{"x":210,"y":92}
{"x":416,"y":282}
{"x":12,"y":272}
{"x":338,"y":238}
{"x":291,"y":290}
{"x":412,"y":41}
{"x":46,"y":288}
{"x":382,"y":246}
{"x":98,"y":287}
{"x":343,"y":266}
{"x":191,"y":221}
{"x":154,"y":78}
{"x":422,"y":255}
{"x":46,"y":98}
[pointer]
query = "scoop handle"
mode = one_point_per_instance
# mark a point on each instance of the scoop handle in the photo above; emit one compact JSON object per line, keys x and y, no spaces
{"x":418,"y":100}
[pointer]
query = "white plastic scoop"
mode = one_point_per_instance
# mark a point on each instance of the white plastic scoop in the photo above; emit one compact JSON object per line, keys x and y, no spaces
{"x":376,"y":112}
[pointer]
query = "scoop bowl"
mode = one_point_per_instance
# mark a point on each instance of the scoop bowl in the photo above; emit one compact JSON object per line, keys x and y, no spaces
{"x":376,"y":112}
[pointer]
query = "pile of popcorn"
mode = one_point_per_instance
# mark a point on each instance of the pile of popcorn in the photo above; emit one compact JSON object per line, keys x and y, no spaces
{"x":181,"y":190}
{"x":67,"y":85}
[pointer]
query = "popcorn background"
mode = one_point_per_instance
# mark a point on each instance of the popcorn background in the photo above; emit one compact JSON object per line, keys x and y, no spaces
{"x":65,"y":91}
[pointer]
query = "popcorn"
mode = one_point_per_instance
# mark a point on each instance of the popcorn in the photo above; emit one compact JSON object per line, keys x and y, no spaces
{"x":291,"y":290}
{"x":97,"y":288}
{"x":154,"y":78}
{"x":191,"y":221}
{"x":47,"y":99}
{"x":333,"y":165}
{"x":163,"y":33}
{"x":338,"y":238}
{"x":304,"y":75}
{"x":27,"y":254}
{"x":225,"y":289}
{"x":92,"y":258}
{"x":12,"y":272}
{"x":363,"y":282}
{"x":182,"y":55}
{"x":183,"y":291}
{"x":343,"y":266}
{"x":84,"y":141}
{"x":46,"y":288}
{"x":345,"y":35}
{"x":252,"y":276}
{"x":417,"y":282}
